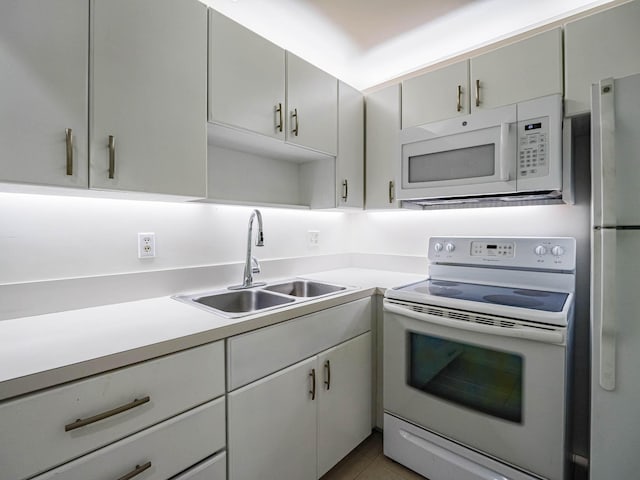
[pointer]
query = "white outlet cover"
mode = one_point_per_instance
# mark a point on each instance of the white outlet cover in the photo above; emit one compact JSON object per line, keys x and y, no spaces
{"x":313,"y":238}
{"x":146,"y":245}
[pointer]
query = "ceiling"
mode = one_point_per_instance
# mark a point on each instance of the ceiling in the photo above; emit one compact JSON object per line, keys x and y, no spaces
{"x":368,"y":42}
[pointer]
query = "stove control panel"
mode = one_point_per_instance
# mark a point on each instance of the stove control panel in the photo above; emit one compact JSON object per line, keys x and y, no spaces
{"x":547,"y":253}
{"x":492,"y":249}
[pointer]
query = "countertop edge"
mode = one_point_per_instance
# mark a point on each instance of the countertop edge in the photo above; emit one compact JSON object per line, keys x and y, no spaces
{"x":28,"y":384}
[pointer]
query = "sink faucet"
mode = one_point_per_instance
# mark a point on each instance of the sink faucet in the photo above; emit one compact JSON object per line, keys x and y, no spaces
{"x":252,"y":265}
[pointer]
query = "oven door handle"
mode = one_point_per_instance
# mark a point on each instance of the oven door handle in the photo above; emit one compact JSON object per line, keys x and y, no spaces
{"x":556,"y":337}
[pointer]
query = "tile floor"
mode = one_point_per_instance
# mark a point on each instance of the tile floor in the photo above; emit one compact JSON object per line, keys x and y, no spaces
{"x":367,"y":462}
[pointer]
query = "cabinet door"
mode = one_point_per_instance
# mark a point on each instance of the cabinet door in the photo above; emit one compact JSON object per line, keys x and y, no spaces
{"x":312,"y":100}
{"x":437,"y":95}
{"x":382,"y":149}
{"x":148,"y":74}
{"x":272,"y":426}
{"x":44,"y":62}
{"x":350,"y":160}
{"x":344,"y":407}
{"x":597,"y":47}
{"x":246,"y":78}
{"x":527,"y":69}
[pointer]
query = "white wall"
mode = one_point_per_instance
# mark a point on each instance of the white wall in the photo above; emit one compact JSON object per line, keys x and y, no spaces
{"x":53,"y":237}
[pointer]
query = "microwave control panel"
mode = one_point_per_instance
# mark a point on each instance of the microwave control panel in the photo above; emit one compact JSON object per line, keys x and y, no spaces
{"x":533,"y":152}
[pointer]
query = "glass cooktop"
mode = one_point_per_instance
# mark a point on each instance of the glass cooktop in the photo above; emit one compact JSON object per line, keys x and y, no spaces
{"x":514,"y":297}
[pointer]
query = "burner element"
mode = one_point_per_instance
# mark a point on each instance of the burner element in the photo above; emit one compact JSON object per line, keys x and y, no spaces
{"x":442,"y":291}
{"x":513,"y":301}
{"x":444,"y":283}
{"x":531,"y":293}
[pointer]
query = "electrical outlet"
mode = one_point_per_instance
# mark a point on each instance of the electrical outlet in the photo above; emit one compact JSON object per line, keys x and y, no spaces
{"x":146,"y":245}
{"x":313,"y":238}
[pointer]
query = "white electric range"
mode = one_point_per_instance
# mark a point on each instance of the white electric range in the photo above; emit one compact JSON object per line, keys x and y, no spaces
{"x":476,"y":360}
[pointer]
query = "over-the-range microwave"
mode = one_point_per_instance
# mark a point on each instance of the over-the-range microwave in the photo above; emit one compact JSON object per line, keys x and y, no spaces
{"x":510,"y":153}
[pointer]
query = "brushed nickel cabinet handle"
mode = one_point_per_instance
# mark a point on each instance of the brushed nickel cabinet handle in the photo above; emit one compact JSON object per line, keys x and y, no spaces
{"x":327,"y":367}
{"x":136,"y":471}
{"x":459,"y":107}
{"x":279,"y":112}
{"x":69,"y":141}
{"x":313,"y":384}
{"x":101,"y":416}
{"x":112,"y":156}
{"x":294,"y":114}
{"x":391,"y":191}
{"x":477,"y":93}
{"x":345,"y":189}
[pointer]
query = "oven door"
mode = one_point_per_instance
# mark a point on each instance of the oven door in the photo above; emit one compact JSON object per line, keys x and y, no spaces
{"x":456,"y":158}
{"x":498,"y":390}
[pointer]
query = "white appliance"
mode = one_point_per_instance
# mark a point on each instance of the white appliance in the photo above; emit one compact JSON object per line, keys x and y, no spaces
{"x":476,"y":360}
{"x":615,"y":266}
{"x":503,"y":152}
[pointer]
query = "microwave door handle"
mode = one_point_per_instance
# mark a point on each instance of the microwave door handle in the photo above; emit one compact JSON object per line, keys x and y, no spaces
{"x":544,"y":336}
{"x":505,"y":146}
{"x":607,"y":160}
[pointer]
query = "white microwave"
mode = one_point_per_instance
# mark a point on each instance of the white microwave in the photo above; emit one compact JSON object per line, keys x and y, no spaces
{"x":514,"y":150}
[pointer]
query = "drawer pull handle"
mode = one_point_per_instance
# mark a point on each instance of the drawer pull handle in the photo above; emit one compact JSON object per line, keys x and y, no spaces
{"x":477,"y":93}
{"x":101,"y":416}
{"x":136,"y":471}
{"x":313,"y":384}
{"x":327,"y":367}
{"x":345,"y":190}
{"x":459,"y":104}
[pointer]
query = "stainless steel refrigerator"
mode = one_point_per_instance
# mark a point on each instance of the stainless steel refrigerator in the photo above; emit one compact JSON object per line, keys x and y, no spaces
{"x":615,"y":280}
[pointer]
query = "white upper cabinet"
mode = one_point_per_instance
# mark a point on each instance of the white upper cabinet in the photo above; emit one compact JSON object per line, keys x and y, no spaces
{"x":148,"y":96}
{"x":246,"y":78}
{"x":524,"y":70}
{"x":436,"y":95}
{"x":597,"y":47}
{"x":350,"y":159}
{"x":312,"y":100}
{"x":43,"y":100}
{"x":256,"y":86}
{"x":382,"y":150}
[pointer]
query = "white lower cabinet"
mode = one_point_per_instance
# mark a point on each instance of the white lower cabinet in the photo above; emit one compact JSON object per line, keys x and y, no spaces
{"x":214,"y":468}
{"x":156,"y":453}
{"x":45,"y":429}
{"x":300,"y":421}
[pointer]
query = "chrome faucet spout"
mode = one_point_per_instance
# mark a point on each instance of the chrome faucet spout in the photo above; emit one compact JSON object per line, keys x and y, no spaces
{"x":251,"y":265}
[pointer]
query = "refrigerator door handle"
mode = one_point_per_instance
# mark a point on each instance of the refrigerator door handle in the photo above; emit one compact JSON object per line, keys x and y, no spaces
{"x":607,"y":153}
{"x":607,"y":309}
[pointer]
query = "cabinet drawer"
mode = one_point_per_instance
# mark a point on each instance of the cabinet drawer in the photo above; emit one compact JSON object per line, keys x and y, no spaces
{"x":259,"y":353}
{"x":37,"y":431}
{"x":214,"y":468}
{"x":169,"y":447}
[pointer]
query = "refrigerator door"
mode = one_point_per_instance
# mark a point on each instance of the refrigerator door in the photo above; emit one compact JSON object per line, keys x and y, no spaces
{"x":615,"y":422}
{"x":616,"y":152}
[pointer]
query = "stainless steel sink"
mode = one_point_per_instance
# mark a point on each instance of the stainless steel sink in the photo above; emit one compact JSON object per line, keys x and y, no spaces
{"x":242,"y":302}
{"x":239,"y":303}
{"x":304,"y":288}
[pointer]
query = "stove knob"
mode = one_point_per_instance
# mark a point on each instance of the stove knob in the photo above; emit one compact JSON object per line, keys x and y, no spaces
{"x":438,"y":247}
{"x":450,"y":247}
{"x":557,"y":251}
{"x":540,"y":250}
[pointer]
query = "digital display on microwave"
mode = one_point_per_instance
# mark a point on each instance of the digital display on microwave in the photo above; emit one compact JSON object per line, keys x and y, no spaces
{"x":533,"y":126}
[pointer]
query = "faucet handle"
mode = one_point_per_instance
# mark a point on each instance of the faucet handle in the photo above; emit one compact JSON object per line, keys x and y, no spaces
{"x":255,"y":265}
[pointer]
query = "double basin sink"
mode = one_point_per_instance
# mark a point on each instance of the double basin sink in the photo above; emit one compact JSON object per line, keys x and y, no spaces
{"x":238,"y":303}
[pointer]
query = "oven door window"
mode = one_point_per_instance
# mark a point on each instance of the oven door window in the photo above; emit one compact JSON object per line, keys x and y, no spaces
{"x":482,"y":379}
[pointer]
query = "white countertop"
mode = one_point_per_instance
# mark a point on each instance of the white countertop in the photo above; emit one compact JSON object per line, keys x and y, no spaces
{"x":45,"y":350}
